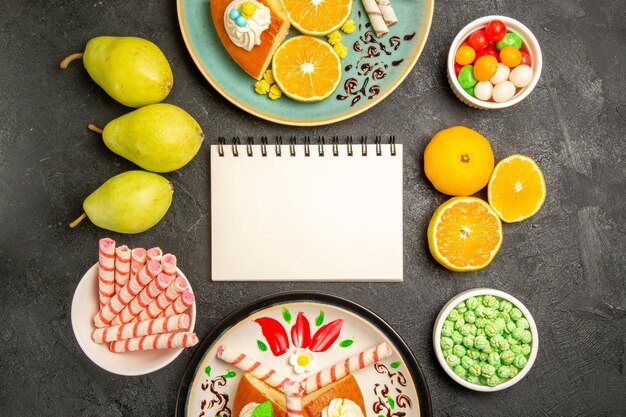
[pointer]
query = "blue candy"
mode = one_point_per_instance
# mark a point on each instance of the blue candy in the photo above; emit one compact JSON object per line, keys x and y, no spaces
{"x":241,"y":21}
{"x":234,"y":14}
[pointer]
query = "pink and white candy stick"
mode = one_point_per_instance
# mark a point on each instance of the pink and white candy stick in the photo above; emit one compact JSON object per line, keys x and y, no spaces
{"x":106,"y":270}
{"x":293,"y":398}
{"x":347,"y":367}
{"x":137,"y":260}
{"x":156,"y":341}
{"x":143,"y":299}
{"x":169,"y":264}
{"x":182,"y":303}
{"x":154,"y":254}
{"x":176,"y":288}
{"x":249,"y":365}
{"x":127,"y":293}
{"x":142,"y":328}
{"x":122,"y":266}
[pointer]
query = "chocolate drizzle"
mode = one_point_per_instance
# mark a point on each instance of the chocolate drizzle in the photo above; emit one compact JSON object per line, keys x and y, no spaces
{"x":369,"y":66}
{"x":385,"y":398}
{"x":218,"y":405}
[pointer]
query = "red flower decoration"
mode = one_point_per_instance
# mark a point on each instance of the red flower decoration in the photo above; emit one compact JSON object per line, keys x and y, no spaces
{"x":301,"y":332}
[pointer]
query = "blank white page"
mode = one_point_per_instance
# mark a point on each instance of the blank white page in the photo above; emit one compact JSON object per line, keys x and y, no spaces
{"x":315,"y":218}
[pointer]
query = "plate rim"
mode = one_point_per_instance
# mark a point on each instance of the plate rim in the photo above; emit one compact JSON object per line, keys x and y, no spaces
{"x":240,"y":313}
{"x":430,"y":5}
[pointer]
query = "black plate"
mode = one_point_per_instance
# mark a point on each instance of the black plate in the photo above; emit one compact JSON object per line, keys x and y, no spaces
{"x":296,"y":296}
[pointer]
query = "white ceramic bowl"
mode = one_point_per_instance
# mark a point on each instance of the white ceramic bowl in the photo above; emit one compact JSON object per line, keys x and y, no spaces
{"x":530,"y":45}
{"x":85,"y":307}
{"x":473,"y":293}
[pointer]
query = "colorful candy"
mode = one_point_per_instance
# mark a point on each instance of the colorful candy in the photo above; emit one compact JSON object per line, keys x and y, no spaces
{"x":485,"y":68}
{"x":502,"y":74}
{"x":483,"y":90}
{"x":466,"y":77}
{"x":503,"y":91}
{"x":526,"y":58}
{"x":495,"y":30}
{"x":510,"y":39}
{"x":510,"y":56}
{"x":465,"y":55}
{"x":478,"y":40}
{"x":521,"y":76}
{"x":488,"y":51}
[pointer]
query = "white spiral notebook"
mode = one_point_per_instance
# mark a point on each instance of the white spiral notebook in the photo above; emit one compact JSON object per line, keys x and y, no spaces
{"x":306,"y":212}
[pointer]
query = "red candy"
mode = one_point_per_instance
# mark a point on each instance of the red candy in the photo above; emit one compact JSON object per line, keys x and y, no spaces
{"x":488,"y":51}
{"x":478,"y":40}
{"x":457,"y":69}
{"x":495,"y":30}
{"x":525,"y":58}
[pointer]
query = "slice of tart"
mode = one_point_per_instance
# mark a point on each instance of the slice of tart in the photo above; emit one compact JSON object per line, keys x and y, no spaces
{"x":253,"y":390}
{"x":250,"y":30}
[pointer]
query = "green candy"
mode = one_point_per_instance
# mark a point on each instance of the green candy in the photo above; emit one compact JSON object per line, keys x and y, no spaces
{"x":516,"y":313}
{"x":461,"y":307}
{"x":447,"y":331}
{"x":510,"y":39}
{"x":480,"y":322}
{"x":512,"y":340}
{"x":504,"y":315}
{"x":510,"y":326}
{"x":480,"y":332}
{"x":490,"y":301}
{"x":492,"y":329}
{"x":460,"y":371}
{"x":456,"y":337}
{"x":459,"y":323}
{"x":469,"y":316}
{"x":471,"y":303}
{"x":459,"y":351}
{"x":504,"y":372}
{"x":468,"y":341}
{"x":507,"y":357}
{"x":513,"y":371}
{"x":500,"y":322}
{"x":480,"y":310}
{"x":487,"y":370}
{"x":487,"y":349}
{"x":518,"y":333}
{"x":490,"y":312}
{"x":466,"y":329}
{"x":473,"y":379}
{"x":474,"y":369}
{"x":497,"y":341}
{"x":454,"y":315}
{"x":481,"y":342}
{"x":466,"y":362}
{"x":466,"y":77}
{"x":526,"y":349}
{"x":483,"y":357}
{"x":446,"y":343}
{"x":505,"y":306}
{"x":527,"y":337}
{"x":522,"y":324}
{"x":453,"y":360}
{"x":520,"y":361}
{"x":473,"y":353}
{"x":516,"y":349}
{"x":470,"y":91}
{"x":446,"y":352}
{"x":493,"y":380}
{"x":483,"y":380}
{"x":473,"y":329}
{"x":494,"y":359}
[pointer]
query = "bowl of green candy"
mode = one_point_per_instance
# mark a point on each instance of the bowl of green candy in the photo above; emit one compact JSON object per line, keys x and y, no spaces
{"x":485,"y":339}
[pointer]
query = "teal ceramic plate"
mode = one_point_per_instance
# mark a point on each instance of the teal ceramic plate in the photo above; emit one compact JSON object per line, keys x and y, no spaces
{"x":373,"y":69}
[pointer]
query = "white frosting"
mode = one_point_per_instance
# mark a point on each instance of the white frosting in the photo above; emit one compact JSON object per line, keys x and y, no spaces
{"x":342,"y":407}
{"x":248,"y":409}
{"x":249,"y":36}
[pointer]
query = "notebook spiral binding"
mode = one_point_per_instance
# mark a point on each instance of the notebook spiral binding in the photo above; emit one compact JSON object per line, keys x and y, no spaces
{"x":278,"y":145}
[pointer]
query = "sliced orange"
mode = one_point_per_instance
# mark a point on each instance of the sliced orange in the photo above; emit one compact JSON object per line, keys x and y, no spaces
{"x":516,"y":189}
{"x":464,"y":234}
{"x":306,"y":68}
{"x":317,"y":17}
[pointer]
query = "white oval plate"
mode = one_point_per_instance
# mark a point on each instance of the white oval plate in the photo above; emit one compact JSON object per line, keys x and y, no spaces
{"x":85,"y":307}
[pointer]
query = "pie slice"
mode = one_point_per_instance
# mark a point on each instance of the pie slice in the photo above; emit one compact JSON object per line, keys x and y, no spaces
{"x":253,"y":390}
{"x":256,"y":61}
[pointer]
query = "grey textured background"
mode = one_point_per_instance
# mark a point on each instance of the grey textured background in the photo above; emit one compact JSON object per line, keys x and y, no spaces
{"x":567,"y":263}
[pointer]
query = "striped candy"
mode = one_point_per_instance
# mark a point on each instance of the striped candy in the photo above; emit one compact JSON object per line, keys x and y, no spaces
{"x":143,"y":299}
{"x":137,"y":260}
{"x":177,"y":287}
{"x":179,"y":305}
{"x":142,"y":328}
{"x":122,"y":267}
{"x":249,"y":365}
{"x":347,"y":367}
{"x":154,"y":254}
{"x":169,"y":264}
{"x":106,"y":270}
{"x":156,"y":341}
{"x":127,"y":293}
{"x":293,"y":398}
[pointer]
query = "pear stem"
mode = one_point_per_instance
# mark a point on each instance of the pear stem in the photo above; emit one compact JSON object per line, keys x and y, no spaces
{"x":77,"y":221}
{"x":66,"y":61}
{"x":94,"y":128}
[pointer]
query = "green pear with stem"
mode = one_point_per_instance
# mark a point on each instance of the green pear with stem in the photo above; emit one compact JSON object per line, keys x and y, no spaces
{"x":134,"y":71}
{"x":159,"y":137}
{"x":131,"y":202}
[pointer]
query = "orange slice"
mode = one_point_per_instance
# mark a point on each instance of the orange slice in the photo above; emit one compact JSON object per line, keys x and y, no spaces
{"x":464,"y":234}
{"x":306,"y":68}
{"x":317,"y":17}
{"x":516,"y":189}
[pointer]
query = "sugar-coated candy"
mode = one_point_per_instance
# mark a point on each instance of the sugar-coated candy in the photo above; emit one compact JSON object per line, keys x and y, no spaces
{"x":482,"y":91}
{"x":460,"y":371}
{"x":503,"y":91}
{"x":485,"y":68}
{"x":495,"y":30}
{"x":521,"y":76}
{"x":510,"y":39}
{"x":465,"y":55}
{"x":502,"y":74}
{"x":490,"y":50}
{"x":510,"y":56}
{"x":467,"y":80}
{"x":478,"y":40}
{"x":241,"y":21}
{"x":234,"y":14}
{"x":526,"y":58}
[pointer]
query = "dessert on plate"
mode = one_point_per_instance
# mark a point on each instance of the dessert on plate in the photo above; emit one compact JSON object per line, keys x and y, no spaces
{"x":250,"y":30}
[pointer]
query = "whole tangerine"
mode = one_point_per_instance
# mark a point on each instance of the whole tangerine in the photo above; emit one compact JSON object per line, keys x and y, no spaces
{"x":458,"y":161}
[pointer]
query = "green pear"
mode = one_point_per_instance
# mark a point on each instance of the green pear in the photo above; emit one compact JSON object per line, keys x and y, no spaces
{"x":131,"y":202}
{"x":133,"y":71}
{"x":159,"y":137}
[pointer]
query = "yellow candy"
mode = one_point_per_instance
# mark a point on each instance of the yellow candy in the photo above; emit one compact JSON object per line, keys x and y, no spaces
{"x":269,"y":76}
{"x":334,"y":37}
{"x":275,"y":92}
{"x":349,"y":26}
{"x":341,"y":50}
{"x":262,"y":87}
{"x":248,"y":9}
